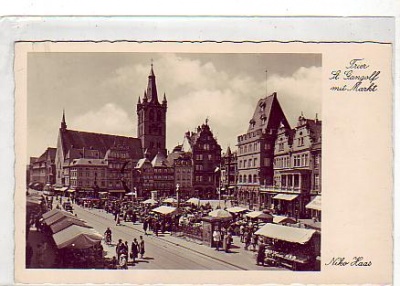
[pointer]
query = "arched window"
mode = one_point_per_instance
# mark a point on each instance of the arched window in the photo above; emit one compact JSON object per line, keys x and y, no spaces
{"x":244,"y":178}
{"x":255,"y":178}
{"x":249,"y":178}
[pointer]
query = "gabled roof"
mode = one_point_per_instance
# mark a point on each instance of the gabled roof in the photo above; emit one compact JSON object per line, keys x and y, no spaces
{"x":50,"y":152}
{"x":141,"y":162}
{"x":266,"y":109}
{"x":159,"y":160}
{"x":101,"y":142}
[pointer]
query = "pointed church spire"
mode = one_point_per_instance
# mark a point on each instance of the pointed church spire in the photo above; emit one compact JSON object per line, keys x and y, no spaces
{"x":144,"y":97}
{"x":151,"y":86}
{"x":63,"y":123}
{"x":138,"y":100}
{"x":164,"y":102}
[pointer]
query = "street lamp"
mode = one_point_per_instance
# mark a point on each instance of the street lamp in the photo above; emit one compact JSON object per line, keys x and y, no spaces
{"x":177,"y":194}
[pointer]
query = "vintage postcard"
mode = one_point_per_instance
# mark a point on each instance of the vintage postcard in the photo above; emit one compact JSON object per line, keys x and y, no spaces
{"x":203,"y":163}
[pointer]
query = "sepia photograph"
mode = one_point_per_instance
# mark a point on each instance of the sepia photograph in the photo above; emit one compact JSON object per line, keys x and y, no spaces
{"x":203,"y":163}
{"x":186,"y":161}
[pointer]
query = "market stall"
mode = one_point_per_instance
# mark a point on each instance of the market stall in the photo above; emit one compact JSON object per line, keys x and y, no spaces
{"x":291,"y":247}
{"x":77,"y":237}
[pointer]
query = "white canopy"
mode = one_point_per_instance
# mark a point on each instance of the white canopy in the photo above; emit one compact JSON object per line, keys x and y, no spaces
{"x":77,"y":237}
{"x":219,"y":213}
{"x":50,"y":213}
{"x":164,"y":210}
{"x":57,"y":217}
{"x":254,"y":214}
{"x":237,"y":210}
{"x":67,"y":222}
{"x":194,"y":201}
{"x":170,"y":200}
{"x":283,"y":219}
{"x":315,"y":204}
{"x":150,"y":202}
{"x":286,"y":233}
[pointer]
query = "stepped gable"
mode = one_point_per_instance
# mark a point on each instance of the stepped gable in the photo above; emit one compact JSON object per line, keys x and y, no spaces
{"x":101,"y":142}
{"x":50,"y":151}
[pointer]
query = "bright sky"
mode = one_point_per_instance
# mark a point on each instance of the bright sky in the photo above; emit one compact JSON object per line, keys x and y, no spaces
{"x":99,"y":91}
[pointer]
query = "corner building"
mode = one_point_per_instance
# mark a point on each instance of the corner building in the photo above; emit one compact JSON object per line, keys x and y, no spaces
{"x":256,"y":151}
{"x":206,"y":154}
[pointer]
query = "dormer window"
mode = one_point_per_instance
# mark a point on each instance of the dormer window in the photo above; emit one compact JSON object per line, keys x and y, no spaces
{"x":252,"y":123}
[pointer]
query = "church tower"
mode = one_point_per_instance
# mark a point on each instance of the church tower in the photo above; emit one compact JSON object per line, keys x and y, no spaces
{"x":152,"y":119}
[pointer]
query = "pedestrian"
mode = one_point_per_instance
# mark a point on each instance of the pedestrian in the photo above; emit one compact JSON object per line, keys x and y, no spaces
{"x":261,"y":253}
{"x":141,"y":246}
{"x":217,"y":239}
{"x":254,"y":241}
{"x":247,"y":240}
{"x":228,"y":241}
{"x":118,"y":248}
{"x":242,"y":229}
{"x":134,"y":250}
{"x":118,"y":220}
{"x":156,"y":227}
{"x":145,"y":225}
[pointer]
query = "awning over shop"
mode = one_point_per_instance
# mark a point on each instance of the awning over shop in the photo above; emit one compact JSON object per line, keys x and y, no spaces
{"x":315,"y":204}
{"x":237,"y":210}
{"x":164,"y":210}
{"x":77,"y":237}
{"x":285,"y":197}
{"x":67,"y":222}
{"x":286,"y":233}
{"x":260,"y":215}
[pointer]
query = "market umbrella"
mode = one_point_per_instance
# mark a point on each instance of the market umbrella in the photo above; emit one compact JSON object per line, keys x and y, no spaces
{"x":77,"y":237}
{"x":194,"y":201}
{"x":219,"y":213}
{"x":164,"y":210}
{"x":150,"y":202}
{"x":170,"y":200}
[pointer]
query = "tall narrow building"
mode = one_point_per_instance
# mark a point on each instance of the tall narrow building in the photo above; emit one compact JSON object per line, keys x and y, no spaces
{"x":256,"y":150}
{"x":152,"y":119}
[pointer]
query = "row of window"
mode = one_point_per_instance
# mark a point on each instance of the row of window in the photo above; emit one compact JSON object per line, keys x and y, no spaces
{"x":210,"y":157}
{"x":248,"y":179}
{"x":203,"y":179}
{"x":248,"y":163}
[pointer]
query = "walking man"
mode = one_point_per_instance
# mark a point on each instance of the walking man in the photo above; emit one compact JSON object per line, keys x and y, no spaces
{"x":217,"y":239}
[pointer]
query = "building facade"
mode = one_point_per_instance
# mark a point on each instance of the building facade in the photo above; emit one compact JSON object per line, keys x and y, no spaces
{"x":297,"y":157}
{"x":164,"y":181}
{"x":256,"y":151}
{"x":229,"y":174}
{"x":42,"y":169}
{"x":206,"y":154}
{"x":182,"y":163}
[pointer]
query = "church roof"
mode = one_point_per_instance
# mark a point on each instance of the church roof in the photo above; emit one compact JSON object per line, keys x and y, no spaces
{"x":101,"y":142}
{"x":86,"y":162}
{"x":50,"y":152}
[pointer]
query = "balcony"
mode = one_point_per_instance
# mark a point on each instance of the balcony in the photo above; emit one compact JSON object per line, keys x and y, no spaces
{"x":283,"y":189}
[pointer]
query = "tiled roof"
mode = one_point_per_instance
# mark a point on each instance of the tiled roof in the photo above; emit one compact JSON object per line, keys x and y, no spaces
{"x":315,"y":130}
{"x":101,"y":142}
{"x":159,"y":160}
{"x":265,"y":110}
{"x":141,"y":162}
{"x":50,"y":151}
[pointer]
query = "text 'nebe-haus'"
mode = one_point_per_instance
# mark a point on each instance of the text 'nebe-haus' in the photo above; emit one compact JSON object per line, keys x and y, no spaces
{"x":275,"y":166}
